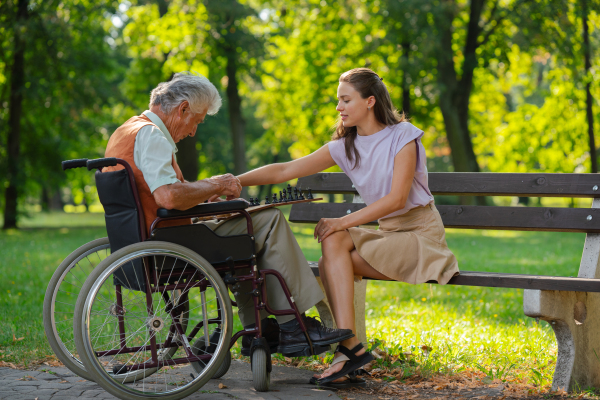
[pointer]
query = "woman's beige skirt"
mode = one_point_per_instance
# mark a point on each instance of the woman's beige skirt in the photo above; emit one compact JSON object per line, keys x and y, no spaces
{"x":410,"y":247}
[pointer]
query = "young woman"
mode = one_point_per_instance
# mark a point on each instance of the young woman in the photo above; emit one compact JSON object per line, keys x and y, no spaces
{"x":383,"y":156}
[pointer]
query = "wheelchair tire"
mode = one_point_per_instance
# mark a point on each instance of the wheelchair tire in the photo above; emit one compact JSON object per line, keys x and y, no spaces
{"x":137,"y":330}
{"x":198,"y":347}
{"x":61,"y":296}
{"x":224,"y":367}
{"x":261,"y":377}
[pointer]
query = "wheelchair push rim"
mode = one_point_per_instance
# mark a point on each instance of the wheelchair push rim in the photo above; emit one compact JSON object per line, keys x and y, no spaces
{"x":61,"y":296}
{"x":123,"y":338}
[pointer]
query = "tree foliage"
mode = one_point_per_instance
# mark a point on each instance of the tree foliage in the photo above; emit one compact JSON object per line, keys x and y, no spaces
{"x":496,"y":85}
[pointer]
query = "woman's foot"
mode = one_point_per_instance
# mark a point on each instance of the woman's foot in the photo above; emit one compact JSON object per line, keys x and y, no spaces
{"x":337,"y":367}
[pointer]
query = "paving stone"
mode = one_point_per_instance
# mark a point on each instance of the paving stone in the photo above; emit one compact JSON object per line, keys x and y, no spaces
{"x":286,"y":383}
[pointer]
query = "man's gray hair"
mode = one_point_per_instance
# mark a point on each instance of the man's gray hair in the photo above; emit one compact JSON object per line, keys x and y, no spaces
{"x":199,"y":92}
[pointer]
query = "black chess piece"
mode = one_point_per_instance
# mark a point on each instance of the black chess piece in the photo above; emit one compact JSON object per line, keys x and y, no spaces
{"x":251,"y":201}
{"x":289,"y":191}
{"x":280,"y":197}
{"x":309,"y":195}
{"x":301,"y":196}
{"x":267,"y":200}
{"x":295,"y":193}
{"x":275,"y":198}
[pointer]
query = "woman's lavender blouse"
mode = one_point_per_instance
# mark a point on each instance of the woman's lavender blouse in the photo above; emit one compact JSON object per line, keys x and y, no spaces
{"x":373,"y":177}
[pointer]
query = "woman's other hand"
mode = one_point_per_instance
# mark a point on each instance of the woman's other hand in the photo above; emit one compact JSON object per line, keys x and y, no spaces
{"x":327,"y":226}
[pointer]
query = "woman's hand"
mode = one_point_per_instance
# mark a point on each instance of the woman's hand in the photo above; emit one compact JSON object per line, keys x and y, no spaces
{"x":327,"y":226}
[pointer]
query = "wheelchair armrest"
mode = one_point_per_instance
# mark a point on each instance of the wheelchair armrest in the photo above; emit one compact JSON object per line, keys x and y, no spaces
{"x":206,"y":208}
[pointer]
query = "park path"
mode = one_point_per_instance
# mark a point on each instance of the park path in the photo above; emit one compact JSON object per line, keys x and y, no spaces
{"x":52,"y":383}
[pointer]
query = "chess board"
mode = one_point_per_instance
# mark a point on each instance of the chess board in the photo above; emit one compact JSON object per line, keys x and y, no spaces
{"x":256,"y":208}
{"x":285,"y":197}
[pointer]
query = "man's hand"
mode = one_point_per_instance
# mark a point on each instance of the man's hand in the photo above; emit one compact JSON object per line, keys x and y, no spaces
{"x":228,"y":185}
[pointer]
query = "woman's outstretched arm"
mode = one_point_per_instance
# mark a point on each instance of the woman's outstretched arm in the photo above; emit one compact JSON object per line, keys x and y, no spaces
{"x":283,"y":172}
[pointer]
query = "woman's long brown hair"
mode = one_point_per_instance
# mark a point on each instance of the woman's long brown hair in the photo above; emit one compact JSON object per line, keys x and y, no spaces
{"x":367,"y":83}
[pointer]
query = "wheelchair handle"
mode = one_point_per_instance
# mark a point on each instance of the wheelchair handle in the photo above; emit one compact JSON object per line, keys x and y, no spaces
{"x":102,"y":162}
{"x":68,"y":164}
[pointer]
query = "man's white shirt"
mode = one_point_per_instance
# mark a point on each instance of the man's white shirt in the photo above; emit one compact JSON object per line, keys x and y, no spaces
{"x":153,"y":153}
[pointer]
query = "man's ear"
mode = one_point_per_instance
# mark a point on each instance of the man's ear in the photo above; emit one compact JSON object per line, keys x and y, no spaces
{"x":183,"y":108}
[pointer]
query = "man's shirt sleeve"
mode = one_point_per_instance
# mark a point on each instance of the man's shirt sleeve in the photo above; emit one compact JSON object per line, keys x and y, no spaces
{"x":153,"y":155}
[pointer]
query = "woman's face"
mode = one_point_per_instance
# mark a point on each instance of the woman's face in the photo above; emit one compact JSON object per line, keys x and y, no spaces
{"x":352,"y":108}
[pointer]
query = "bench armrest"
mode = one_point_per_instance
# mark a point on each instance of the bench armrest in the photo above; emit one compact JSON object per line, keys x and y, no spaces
{"x":220,"y":207}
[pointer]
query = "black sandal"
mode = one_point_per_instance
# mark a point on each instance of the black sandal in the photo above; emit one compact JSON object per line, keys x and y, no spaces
{"x":354,"y":362}
{"x":351,"y":382}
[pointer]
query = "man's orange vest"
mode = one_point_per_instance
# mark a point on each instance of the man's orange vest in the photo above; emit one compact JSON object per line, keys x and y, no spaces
{"x":121,"y":145}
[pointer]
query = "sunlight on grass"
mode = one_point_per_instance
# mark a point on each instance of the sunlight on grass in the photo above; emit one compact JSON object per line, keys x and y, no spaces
{"x":441,"y":329}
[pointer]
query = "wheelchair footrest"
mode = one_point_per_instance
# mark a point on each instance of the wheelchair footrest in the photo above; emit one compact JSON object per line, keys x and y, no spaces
{"x":306,"y":351}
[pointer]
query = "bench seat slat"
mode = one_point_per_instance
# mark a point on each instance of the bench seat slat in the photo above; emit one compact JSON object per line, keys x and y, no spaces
{"x":515,"y":281}
{"x":476,"y":217}
{"x":478,"y":184}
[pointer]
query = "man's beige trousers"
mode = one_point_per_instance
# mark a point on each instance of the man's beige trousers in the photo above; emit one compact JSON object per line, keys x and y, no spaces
{"x":276,"y":248}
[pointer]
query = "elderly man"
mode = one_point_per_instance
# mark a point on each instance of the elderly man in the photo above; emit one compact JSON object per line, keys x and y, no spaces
{"x":147,"y":143}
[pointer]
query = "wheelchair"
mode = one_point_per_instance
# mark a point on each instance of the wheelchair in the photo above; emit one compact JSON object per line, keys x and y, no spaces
{"x":153,"y":316}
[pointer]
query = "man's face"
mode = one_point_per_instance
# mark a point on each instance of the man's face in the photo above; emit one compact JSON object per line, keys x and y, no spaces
{"x":186,"y":123}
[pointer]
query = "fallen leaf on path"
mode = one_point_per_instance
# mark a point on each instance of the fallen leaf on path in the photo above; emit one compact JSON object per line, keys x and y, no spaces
{"x":221,"y":386}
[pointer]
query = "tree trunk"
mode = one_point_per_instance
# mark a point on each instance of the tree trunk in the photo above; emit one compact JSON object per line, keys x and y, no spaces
{"x":235,"y":117}
{"x":588,"y":94}
{"x":405,"y":78}
{"x":17,"y":86}
{"x":187,"y":158}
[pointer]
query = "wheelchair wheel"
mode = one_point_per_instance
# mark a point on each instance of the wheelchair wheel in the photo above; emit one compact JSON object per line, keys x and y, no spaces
{"x":133,"y":329}
{"x":200,"y":346}
{"x":61,"y":296}
{"x":261,"y":377}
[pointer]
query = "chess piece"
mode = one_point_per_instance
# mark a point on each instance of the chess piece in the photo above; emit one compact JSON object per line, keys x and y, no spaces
{"x":280,"y":197}
{"x":301,"y":197}
{"x":285,"y":198}
{"x":251,"y":201}
{"x":295,"y":193}
{"x":289,"y":191}
{"x":309,"y":195}
{"x":267,"y":200}
{"x":275,"y":199}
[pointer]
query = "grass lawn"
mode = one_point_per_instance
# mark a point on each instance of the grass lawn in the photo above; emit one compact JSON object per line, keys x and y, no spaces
{"x":441,"y":329}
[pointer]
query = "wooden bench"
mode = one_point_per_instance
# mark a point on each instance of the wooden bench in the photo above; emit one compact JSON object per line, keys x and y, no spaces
{"x":571,"y":305}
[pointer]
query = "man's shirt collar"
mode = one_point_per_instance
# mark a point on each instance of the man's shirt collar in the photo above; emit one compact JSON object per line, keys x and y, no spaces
{"x":158,"y":122}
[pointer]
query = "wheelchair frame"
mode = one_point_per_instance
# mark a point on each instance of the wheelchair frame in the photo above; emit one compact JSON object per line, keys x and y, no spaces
{"x":156,"y":283}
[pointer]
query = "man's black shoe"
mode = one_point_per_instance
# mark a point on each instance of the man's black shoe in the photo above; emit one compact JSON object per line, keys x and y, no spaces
{"x":294,"y":341}
{"x":270,"y":331}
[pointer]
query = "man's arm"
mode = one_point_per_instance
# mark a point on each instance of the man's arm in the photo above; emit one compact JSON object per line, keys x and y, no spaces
{"x":184,"y":195}
{"x":153,"y":155}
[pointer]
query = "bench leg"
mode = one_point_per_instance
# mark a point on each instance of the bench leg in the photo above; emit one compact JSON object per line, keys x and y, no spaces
{"x":575,"y":319}
{"x":360,"y":295}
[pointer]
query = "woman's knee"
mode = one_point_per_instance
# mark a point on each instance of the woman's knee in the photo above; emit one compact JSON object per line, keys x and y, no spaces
{"x":337,"y":241}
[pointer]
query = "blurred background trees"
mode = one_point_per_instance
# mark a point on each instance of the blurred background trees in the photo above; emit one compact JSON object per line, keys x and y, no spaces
{"x":501,"y":86}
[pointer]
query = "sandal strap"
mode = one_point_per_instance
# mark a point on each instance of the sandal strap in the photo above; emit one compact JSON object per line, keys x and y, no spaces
{"x":357,"y":348}
{"x":351,"y":354}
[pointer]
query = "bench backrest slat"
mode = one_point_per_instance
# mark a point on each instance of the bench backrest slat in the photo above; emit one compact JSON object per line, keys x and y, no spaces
{"x":478,"y":184}
{"x":476,"y":217}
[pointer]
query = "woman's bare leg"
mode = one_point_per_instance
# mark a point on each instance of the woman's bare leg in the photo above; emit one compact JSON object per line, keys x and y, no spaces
{"x":337,"y":267}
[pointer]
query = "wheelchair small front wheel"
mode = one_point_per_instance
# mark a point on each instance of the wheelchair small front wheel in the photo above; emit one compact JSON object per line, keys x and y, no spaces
{"x":261,"y":377}
{"x":61,"y":296}
{"x":138,"y":314}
